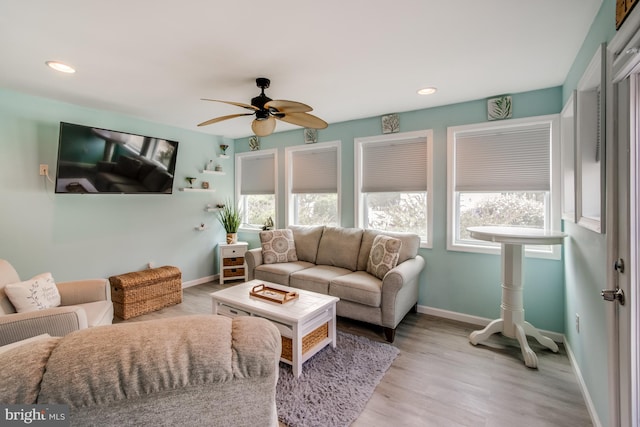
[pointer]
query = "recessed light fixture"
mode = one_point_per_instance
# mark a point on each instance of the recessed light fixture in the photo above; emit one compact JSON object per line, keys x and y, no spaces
{"x":427,"y":91}
{"x":59,"y":66}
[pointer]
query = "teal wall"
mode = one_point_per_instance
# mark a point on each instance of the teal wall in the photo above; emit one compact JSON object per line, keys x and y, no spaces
{"x":454,"y":281}
{"x":77,"y":236}
{"x":585,"y":257}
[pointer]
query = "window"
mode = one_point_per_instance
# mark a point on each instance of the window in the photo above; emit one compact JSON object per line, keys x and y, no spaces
{"x":313,"y":184}
{"x":256,"y":178}
{"x":503,"y":174}
{"x":394,"y":183}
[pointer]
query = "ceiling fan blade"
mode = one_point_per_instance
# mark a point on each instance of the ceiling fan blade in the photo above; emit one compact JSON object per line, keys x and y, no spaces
{"x":263,"y":127}
{"x":237,"y":104}
{"x":284,"y":106}
{"x":219,"y":119}
{"x":304,"y":120}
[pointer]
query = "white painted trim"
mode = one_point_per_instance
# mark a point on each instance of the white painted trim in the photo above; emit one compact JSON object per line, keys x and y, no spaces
{"x":583,"y":387}
{"x":200,"y":281}
{"x":476,"y":320}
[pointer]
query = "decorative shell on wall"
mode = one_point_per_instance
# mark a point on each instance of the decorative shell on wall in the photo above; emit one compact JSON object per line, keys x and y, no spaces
{"x":390,"y":123}
{"x":254,"y":143}
{"x":499,"y":108}
{"x":310,"y":135}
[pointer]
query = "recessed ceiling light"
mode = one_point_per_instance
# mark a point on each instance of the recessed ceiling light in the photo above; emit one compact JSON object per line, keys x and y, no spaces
{"x":427,"y":91}
{"x":59,"y":66}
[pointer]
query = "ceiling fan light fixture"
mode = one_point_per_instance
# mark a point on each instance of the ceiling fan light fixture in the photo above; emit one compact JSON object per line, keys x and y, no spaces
{"x":427,"y":90}
{"x":60,"y":66}
{"x":263,"y":127}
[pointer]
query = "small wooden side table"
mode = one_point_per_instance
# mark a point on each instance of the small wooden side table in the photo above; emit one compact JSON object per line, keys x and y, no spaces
{"x":232,"y":262}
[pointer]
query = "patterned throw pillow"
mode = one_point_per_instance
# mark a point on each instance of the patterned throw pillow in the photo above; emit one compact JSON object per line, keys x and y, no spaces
{"x":278,"y":246}
{"x":384,"y":255}
{"x":36,"y":294}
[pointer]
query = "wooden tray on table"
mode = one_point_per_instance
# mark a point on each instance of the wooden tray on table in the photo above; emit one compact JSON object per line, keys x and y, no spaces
{"x":272,"y":294}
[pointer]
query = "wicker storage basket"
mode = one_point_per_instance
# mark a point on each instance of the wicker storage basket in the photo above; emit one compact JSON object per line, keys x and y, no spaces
{"x":308,"y":341}
{"x":140,"y":292}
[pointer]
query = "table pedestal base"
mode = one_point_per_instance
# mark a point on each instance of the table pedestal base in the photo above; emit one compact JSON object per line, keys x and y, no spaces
{"x":521,"y":330}
{"x":511,"y":323}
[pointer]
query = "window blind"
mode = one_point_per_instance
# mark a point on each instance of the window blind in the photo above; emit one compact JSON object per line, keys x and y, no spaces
{"x":257,"y":175}
{"x":504,"y":160}
{"x":394,"y":166}
{"x":314,"y":171}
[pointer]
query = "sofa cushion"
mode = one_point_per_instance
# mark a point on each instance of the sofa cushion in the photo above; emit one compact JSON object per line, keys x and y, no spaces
{"x":359,"y":287}
{"x":278,"y":246}
{"x":383,"y":255}
{"x":279,"y":273}
{"x":38,"y":293}
{"x":145,"y":361}
{"x":128,"y":166}
{"x":21,"y":368}
{"x":340,"y":247}
{"x":317,"y":278}
{"x":409,"y":250}
{"x":307,"y":239}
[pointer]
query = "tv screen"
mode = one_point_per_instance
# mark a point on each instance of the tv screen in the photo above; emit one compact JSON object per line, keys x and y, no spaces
{"x":95,"y":160}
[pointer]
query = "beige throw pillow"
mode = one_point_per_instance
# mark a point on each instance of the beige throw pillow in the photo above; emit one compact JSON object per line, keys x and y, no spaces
{"x":278,"y":246}
{"x":384,"y":255}
{"x":35,"y":294}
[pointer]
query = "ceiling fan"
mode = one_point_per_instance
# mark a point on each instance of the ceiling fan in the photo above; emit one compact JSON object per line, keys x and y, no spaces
{"x":268,"y":110}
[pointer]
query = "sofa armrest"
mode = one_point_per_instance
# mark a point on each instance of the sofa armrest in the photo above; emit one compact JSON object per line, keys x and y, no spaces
{"x":84,"y":291}
{"x":253,"y":257}
{"x":56,"y":321}
{"x":400,"y":290}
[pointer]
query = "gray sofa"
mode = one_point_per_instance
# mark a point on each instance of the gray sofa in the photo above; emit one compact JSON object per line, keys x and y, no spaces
{"x":200,"y":370}
{"x":333,"y":261}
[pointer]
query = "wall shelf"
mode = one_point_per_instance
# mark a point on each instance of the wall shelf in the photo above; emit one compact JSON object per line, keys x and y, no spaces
{"x":211,"y":209}
{"x":209,"y":190}
{"x":213,"y":172}
{"x":223,"y":156}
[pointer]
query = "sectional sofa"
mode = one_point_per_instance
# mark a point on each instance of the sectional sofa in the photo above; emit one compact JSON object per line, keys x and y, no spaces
{"x":200,"y":370}
{"x":336,"y":261}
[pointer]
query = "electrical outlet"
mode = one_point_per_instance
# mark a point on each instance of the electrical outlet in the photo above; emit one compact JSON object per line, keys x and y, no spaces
{"x":577,"y":323}
{"x":44,"y":170}
{"x":150,"y":264}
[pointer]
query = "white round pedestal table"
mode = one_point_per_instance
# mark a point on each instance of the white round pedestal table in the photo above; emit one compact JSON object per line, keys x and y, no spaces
{"x":511,"y":322}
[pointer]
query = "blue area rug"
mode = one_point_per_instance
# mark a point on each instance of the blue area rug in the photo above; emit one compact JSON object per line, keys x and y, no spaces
{"x":335,"y":384}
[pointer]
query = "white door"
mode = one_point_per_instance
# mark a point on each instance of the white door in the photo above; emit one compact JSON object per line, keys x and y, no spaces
{"x":622,"y":248}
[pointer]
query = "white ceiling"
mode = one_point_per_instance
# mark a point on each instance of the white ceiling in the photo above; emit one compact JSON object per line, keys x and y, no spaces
{"x":348,"y":59}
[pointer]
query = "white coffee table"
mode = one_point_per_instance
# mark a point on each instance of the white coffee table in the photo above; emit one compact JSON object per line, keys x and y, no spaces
{"x":307,"y":324}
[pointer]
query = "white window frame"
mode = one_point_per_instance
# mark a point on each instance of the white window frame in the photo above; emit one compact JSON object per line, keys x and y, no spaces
{"x":359,"y":203}
{"x":288,"y":159}
{"x":552,"y":217}
{"x":238,"y":178}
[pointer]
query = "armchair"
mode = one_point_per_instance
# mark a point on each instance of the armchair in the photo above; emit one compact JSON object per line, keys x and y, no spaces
{"x":83,"y":304}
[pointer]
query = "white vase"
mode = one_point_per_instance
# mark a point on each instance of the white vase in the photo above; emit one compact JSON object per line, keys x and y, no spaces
{"x":232,"y":238}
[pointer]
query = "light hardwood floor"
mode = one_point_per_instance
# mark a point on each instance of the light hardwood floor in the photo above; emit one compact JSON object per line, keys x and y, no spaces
{"x":440,"y":379}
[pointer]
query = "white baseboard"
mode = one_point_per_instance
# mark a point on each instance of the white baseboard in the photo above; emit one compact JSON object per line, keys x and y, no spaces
{"x":199,"y":281}
{"x":583,"y":388}
{"x":476,"y":320}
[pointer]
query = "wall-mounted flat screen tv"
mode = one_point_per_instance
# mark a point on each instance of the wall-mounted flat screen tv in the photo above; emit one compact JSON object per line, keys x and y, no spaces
{"x":95,"y":160}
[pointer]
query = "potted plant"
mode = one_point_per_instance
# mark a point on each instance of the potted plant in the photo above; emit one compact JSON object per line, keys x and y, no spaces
{"x":230,"y":218}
